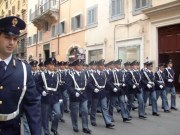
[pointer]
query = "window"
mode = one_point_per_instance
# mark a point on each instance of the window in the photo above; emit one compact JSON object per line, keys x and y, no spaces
{"x":7,"y":4}
{"x":9,"y":12}
{"x":76,"y":22}
{"x":54,"y":2}
{"x":92,"y":16}
{"x":18,"y":7}
{"x":138,"y":5}
{"x":54,"y":31}
{"x":95,"y":55}
{"x":30,"y":40}
{"x":46,"y":26}
{"x":130,"y":53}
{"x":24,"y":15}
{"x":40,"y":35}
{"x":13,"y":9}
{"x":116,"y":9}
{"x":34,"y":38}
{"x":62,"y":27}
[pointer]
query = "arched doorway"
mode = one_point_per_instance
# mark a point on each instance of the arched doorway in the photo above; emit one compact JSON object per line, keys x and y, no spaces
{"x":76,"y":53}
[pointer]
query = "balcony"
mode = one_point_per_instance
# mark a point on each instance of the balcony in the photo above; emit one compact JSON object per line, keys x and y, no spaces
{"x":48,"y":12}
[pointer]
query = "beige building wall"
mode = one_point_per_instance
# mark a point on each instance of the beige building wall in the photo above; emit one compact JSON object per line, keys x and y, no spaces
{"x":16,"y":8}
{"x":62,"y":43}
{"x":130,"y":37}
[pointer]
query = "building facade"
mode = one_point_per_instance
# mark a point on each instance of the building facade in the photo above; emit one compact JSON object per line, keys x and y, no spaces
{"x":16,"y":8}
{"x":56,"y":29}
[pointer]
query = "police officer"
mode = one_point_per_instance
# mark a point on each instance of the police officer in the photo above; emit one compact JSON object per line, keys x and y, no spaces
{"x":148,"y":86}
{"x":160,"y":87}
{"x":48,"y":86}
{"x":17,"y":87}
{"x":133,"y":79}
{"x":116,"y":91}
{"x":76,"y":86}
{"x":97,"y":85}
{"x":169,"y":79}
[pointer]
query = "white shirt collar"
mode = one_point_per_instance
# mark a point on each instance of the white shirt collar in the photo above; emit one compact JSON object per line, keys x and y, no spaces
{"x":7,"y":60}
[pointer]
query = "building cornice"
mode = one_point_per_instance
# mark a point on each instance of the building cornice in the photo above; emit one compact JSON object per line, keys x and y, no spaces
{"x":168,"y":6}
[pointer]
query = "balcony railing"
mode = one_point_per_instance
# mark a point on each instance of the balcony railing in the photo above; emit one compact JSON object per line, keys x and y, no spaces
{"x":51,"y":5}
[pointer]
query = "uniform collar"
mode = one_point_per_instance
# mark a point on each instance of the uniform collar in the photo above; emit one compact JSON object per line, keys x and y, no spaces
{"x":7,"y":60}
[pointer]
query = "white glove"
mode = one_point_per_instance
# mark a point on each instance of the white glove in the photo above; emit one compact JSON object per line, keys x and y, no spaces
{"x":77,"y":94}
{"x":134,"y":86}
{"x":96,"y":90}
{"x":115,"y":89}
{"x":160,"y":86}
{"x":149,"y":86}
{"x":124,"y":84}
{"x":170,"y":80}
{"x":60,"y":100}
{"x":44,"y":93}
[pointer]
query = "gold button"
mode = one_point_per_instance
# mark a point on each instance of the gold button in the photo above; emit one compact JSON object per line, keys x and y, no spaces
{"x":1,"y":87}
{"x":0,"y":102}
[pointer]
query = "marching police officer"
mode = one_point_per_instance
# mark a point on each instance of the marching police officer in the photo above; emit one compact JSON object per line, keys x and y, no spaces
{"x":76,"y":84}
{"x":133,"y":81}
{"x":97,"y":85}
{"x":148,"y":86}
{"x":169,"y":79}
{"x":17,"y":87}
{"x":48,"y":86}
{"x":116,"y":91}
{"x":160,"y":87}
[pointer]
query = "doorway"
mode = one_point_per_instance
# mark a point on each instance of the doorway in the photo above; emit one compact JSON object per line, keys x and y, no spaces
{"x":46,"y":51}
{"x":169,"y":48}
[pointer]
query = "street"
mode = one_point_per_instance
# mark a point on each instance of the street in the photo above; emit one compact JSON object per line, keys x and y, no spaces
{"x":166,"y":124}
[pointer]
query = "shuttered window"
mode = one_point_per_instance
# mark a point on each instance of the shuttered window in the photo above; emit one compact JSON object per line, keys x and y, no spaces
{"x":76,"y":22}
{"x":92,"y":16}
{"x":116,"y":9}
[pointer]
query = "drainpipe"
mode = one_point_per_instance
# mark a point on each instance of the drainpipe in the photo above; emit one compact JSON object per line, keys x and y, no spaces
{"x":117,"y":25}
{"x":58,"y":25}
{"x":37,"y":33}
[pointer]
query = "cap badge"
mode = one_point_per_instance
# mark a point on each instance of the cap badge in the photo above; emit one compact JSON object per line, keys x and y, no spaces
{"x":14,"y":22}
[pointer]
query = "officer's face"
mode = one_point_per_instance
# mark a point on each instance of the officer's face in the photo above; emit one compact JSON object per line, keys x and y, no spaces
{"x":101,"y":67}
{"x":7,"y":45}
{"x":50,"y":67}
{"x":78,"y":67}
{"x":42,"y":68}
{"x":161,"y":68}
{"x":118,"y":66}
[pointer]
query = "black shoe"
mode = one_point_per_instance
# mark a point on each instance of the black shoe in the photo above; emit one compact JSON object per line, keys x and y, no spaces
{"x":162,"y":107}
{"x":54,"y":132}
{"x":142,"y":117}
{"x":112,"y":120}
{"x":173,"y":108}
{"x":118,"y":110}
{"x":94,"y":124}
{"x":62,"y":120}
{"x":110,"y":126}
{"x":134,"y":108}
{"x":66,"y":111}
{"x":87,"y":131}
{"x":76,"y":130}
{"x":126,"y":119}
{"x":167,"y":111}
{"x":155,"y":114}
{"x":150,"y":104}
{"x":98,"y":111}
{"x":130,"y":117}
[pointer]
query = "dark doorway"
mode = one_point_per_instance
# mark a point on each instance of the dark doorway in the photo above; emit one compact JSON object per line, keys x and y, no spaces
{"x":169,"y":48}
{"x":46,"y":51}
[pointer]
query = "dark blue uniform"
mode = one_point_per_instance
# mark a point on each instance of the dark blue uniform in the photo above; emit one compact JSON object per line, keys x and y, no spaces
{"x":11,"y":88}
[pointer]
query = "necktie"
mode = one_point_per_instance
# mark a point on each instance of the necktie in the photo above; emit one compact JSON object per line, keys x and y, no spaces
{"x":2,"y":69}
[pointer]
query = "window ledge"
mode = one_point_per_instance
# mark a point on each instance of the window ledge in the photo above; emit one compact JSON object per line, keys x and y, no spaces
{"x":93,"y":25}
{"x":115,"y":18}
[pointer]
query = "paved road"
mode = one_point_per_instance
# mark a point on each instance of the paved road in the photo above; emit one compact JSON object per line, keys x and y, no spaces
{"x":166,"y":124}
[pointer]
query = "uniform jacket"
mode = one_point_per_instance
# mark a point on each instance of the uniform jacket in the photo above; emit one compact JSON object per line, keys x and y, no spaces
{"x":12,"y":84}
{"x":168,"y":76}
{"x":81,"y":80}
{"x":101,"y":80}
{"x":53,"y":96}
{"x":145,"y":81}
{"x":159,"y":80}
{"x":133,"y":77}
